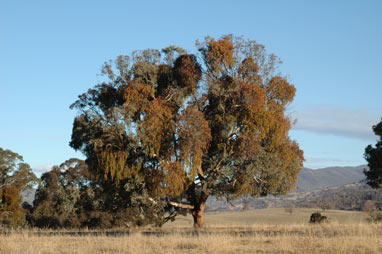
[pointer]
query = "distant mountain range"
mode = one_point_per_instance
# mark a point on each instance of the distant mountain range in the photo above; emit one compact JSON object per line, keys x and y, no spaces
{"x":338,"y":187}
{"x":318,"y":179}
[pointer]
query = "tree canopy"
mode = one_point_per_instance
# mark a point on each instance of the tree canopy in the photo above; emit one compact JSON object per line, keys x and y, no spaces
{"x":373,"y":155}
{"x":15,"y":176}
{"x":69,"y":196}
{"x":176,"y":127}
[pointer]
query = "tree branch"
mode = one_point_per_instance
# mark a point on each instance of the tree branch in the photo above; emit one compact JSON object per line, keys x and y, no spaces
{"x":234,"y":132}
{"x":184,"y":206}
{"x":219,"y":165}
{"x":8,"y":182}
{"x":179,"y":205}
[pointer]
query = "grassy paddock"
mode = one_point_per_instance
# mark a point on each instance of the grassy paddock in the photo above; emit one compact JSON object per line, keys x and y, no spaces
{"x":225,"y":233}
{"x":273,"y":216}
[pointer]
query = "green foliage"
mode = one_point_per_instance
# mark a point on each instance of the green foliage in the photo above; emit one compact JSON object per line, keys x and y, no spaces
{"x":171,"y":127}
{"x":57,"y":197}
{"x":15,"y":176}
{"x":373,"y":155}
{"x":69,"y":196}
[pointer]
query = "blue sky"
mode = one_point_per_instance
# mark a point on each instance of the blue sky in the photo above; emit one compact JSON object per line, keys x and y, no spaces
{"x":52,"y":51}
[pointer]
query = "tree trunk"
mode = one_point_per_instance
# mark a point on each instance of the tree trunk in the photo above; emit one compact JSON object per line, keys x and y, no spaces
{"x":198,"y":211}
{"x":198,"y":215}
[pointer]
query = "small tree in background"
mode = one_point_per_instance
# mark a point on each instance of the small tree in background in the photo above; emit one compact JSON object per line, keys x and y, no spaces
{"x":58,"y":197}
{"x":68,"y":196}
{"x":15,"y":176}
{"x":167,"y":129}
{"x":373,"y":155}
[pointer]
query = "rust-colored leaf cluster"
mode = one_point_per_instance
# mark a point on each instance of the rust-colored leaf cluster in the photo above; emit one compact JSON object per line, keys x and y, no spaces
{"x":157,"y":128}
{"x":194,"y":139}
{"x":187,"y":72}
{"x":169,"y":180}
{"x":220,"y":54}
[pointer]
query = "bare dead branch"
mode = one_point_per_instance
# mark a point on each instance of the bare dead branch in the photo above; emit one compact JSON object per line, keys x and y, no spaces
{"x":184,"y":206}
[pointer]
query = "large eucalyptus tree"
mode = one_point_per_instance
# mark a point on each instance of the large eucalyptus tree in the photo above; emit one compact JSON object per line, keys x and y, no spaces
{"x":177,"y":127}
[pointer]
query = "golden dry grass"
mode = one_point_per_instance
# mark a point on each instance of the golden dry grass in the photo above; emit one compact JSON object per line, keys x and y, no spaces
{"x":348,"y":236}
{"x":273,"y":216}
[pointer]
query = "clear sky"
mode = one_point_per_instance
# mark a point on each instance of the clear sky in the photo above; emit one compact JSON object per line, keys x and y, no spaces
{"x":52,"y":51}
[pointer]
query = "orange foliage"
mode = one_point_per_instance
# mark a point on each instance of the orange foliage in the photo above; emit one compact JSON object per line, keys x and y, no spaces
{"x":175,"y":178}
{"x":114,"y":164}
{"x":157,"y":128}
{"x":195,"y":137}
{"x":280,"y":92}
{"x":220,"y":54}
{"x":248,"y":71}
{"x":255,"y":115}
{"x":137,"y":94}
{"x":187,"y":72}
{"x":11,"y":203}
{"x":12,"y":199}
{"x":169,"y":180}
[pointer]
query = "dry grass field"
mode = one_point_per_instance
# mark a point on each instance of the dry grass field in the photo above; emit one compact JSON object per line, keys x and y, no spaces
{"x":257,"y":231}
{"x":273,"y":216}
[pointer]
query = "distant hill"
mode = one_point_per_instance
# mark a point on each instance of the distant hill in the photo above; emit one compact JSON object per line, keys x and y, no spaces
{"x":314,"y":188}
{"x":346,"y":197}
{"x":309,"y":179}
